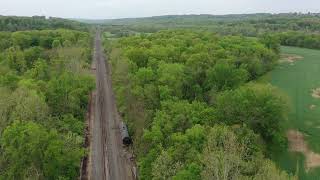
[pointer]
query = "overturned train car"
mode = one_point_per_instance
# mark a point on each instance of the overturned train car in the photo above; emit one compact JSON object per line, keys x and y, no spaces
{"x":126,"y":140}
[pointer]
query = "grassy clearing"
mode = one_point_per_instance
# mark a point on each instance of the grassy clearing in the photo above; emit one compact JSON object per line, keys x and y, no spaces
{"x":300,"y":80}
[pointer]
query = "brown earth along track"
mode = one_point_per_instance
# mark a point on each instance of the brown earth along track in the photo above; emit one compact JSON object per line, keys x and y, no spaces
{"x":84,"y":173}
{"x":109,"y":160}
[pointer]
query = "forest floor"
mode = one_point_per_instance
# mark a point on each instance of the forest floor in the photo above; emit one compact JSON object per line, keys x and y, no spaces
{"x":109,"y":159}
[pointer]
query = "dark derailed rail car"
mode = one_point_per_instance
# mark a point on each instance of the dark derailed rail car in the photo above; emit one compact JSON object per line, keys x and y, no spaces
{"x":126,"y":140}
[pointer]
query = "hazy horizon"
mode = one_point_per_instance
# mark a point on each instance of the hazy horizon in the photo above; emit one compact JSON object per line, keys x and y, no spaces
{"x":114,"y":9}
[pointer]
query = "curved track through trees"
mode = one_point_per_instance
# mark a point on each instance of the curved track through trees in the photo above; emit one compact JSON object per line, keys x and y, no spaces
{"x":109,"y":160}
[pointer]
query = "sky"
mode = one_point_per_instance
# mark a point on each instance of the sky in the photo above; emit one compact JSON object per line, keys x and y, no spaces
{"x":110,"y":9}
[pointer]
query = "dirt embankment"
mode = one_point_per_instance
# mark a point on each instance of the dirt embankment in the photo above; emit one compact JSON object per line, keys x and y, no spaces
{"x":315,"y":93}
{"x":297,"y":143}
{"x":85,"y":163}
{"x":289,"y":58}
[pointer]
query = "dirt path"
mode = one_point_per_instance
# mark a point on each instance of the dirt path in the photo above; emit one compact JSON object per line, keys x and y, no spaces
{"x":109,"y":159}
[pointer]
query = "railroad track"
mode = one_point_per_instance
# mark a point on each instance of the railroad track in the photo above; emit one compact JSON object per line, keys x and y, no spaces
{"x":108,"y":157}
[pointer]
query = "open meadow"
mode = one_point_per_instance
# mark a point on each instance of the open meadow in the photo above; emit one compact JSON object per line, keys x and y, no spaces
{"x":297,"y":75}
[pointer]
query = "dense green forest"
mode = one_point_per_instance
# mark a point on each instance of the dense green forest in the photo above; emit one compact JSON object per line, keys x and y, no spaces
{"x":187,"y":86}
{"x":13,"y":23}
{"x":44,"y":85}
{"x":300,"y":39}
{"x":284,"y":21}
{"x":293,"y":29}
{"x":193,"y":108}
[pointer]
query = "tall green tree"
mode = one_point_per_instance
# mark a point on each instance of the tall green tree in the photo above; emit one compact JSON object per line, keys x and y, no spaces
{"x":23,"y":146}
{"x":262,"y":107}
{"x":28,"y":105}
{"x":172,"y":77}
{"x":16,"y":60}
{"x":224,"y":76}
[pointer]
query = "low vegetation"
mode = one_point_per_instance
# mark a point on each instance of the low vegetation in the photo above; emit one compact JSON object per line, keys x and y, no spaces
{"x":300,"y":81}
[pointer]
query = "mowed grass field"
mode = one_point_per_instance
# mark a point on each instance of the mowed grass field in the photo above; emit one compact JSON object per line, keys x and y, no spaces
{"x":297,"y":79}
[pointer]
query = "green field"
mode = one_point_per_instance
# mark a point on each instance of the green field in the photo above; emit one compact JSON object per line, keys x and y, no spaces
{"x":297,"y":80}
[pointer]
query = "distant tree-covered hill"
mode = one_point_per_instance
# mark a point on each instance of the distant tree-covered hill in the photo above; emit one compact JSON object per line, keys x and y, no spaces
{"x":299,"y":19}
{"x":15,"y":23}
{"x":294,"y":29}
{"x":176,"y":19}
{"x":247,"y":24}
